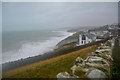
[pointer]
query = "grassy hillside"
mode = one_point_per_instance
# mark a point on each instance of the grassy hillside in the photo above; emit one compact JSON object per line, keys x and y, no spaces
{"x":51,"y":67}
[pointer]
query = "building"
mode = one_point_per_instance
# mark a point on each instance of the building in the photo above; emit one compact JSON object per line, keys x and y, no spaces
{"x":99,"y":38}
{"x":99,"y":33}
{"x":86,"y":38}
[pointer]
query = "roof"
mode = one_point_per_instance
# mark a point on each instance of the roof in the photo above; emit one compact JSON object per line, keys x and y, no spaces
{"x":100,"y":37}
{"x":89,"y":35}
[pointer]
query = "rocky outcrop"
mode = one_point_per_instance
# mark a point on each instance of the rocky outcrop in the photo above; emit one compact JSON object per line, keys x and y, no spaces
{"x":96,"y":64}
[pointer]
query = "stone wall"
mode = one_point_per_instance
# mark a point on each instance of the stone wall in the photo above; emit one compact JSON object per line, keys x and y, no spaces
{"x":96,"y":65}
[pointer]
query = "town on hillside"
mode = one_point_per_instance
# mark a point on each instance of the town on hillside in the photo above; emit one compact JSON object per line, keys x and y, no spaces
{"x":82,"y":37}
{"x":98,"y":34}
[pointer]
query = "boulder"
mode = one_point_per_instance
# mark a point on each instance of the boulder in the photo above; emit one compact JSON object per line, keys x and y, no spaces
{"x":93,"y":74}
{"x":63,"y":75}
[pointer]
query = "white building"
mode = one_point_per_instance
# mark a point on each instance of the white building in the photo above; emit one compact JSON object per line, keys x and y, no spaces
{"x":86,"y":38}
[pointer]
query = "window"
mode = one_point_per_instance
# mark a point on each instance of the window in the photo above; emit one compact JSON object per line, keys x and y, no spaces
{"x":83,"y":37}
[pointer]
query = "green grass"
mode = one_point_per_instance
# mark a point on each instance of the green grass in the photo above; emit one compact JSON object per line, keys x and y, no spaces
{"x":51,"y":67}
{"x":81,"y":74}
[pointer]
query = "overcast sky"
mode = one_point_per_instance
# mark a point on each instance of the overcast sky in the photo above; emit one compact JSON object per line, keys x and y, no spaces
{"x":50,"y":15}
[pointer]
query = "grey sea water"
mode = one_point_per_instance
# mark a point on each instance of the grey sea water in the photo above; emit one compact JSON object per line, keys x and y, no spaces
{"x":22,"y":44}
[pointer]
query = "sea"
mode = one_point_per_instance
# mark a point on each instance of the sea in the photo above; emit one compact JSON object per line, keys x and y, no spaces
{"x":18,"y":45}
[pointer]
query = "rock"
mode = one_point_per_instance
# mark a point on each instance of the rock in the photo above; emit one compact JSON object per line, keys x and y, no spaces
{"x":98,"y":51}
{"x":93,"y":59}
{"x":102,"y":50}
{"x":93,"y":65}
{"x":109,"y":58}
{"x":79,"y":59}
{"x":102,"y":44}
{"x":73,"y":69}
{"x":105,"y":55}
{"x":112,"y":44}
{"x":106,"y":62}
{"x":102,"y":67}
{"x":102,"y":55}
{"x":84,"y":69}
{"x":96,"y":74}
{"x":97,"y":62}
{"x":63,"y":75}
{"x":79,"y":62}
{"x":107,"y":47}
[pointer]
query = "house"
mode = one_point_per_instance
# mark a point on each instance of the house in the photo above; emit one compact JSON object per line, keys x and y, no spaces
{"x":86,"y":38}
{"x":99,"y":38}
{"x":99,"y":33}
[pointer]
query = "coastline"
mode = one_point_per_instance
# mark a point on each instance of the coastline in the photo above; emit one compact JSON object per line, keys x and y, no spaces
{"x":23,"y":62}
{"x":49,"y":65}
{"x":69,"y":42}
{"x":29,"y":60}
{"x":28,"y":48}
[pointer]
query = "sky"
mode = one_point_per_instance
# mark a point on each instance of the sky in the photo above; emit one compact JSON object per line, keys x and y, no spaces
{"x":19,"y":16}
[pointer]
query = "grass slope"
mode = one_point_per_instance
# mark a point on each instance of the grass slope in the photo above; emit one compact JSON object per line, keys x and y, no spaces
{"x":51,"y":67}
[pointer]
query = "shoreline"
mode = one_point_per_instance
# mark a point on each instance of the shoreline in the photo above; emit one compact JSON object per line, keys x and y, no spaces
{"x":29,"y":60}
{"x":44,"y":66}
{"x":35,"y":48}
{"x":72,"y":39}
{"x":23,"y":62}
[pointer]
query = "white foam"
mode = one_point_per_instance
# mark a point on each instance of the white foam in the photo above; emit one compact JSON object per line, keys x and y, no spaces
{"x":29,"y":49}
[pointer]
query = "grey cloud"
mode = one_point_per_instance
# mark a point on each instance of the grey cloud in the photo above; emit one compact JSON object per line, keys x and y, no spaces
{"x":46,"y":15}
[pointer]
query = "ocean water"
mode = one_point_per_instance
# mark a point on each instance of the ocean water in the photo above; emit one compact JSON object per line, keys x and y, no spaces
{"x":22,"y":44}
